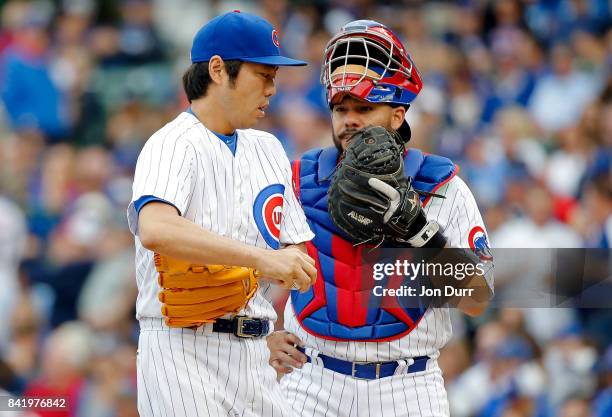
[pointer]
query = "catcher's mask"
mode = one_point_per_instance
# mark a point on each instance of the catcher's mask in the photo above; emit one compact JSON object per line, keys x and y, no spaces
{"x":366,"y":60}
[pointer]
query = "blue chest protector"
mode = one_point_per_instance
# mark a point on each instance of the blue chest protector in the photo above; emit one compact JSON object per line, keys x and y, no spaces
{"x":337,"y":306}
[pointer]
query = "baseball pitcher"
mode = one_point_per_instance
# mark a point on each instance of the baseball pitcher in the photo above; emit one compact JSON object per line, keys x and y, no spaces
{"x":216,"y":222}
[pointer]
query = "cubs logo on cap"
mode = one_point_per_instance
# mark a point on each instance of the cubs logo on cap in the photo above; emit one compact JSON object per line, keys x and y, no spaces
{"x":275,"y":38}
{"x":268,"y":213}
{"x":479,"y":243}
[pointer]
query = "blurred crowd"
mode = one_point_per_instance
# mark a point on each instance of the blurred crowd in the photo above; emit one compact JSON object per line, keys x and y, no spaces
{"x":517,"y":93}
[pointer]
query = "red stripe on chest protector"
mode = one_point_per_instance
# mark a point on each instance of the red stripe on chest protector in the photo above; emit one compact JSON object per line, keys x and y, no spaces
{"x":318,"y":288}
{"x":349,"y":282}
{"x":295,"y":170}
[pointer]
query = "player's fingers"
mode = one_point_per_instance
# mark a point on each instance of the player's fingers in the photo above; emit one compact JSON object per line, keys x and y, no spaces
{"x":279,"y":355}
{"x":297,"y":355}
{"x":289,"y":284}
{"x":279,"y":367}
{"x":302,"y":281}
{"x":293,"y":339}
{"x":279,"y":347}
{"x":276,"y":357}
{"x":277,"y":280}
{"x":270,"y":279}
{"x":289,"y":360}
{"x":307,"y":272}
{"x":283,"y":369}
{"x":290,"y":341}
{"x":309,"y":259}
{"x":276,"y":343}
{"x":392,"y":193}
{"x":311,"y":270}
{"x":294,"y":279}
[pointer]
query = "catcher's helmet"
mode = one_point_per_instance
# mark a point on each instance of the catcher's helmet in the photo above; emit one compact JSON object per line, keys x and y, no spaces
{"x":366,"y":59}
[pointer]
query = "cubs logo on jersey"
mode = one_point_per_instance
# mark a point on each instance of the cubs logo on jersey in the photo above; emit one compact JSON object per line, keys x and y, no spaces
{"x":268,"y":213}
{"x":479,"y":243}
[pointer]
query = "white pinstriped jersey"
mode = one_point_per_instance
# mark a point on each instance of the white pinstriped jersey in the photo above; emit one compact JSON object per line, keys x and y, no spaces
{"x":247,"y":196}
{"x":460,"y":218}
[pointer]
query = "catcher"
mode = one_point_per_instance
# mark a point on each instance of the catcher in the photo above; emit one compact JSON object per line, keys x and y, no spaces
{"x":214,"y":227}
{"x":341,"y":356}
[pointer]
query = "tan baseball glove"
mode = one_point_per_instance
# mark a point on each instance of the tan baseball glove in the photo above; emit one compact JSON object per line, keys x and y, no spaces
{"x":193,"y":295}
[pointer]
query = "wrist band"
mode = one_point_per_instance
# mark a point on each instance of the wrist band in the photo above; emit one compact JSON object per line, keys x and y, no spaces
{"x":424,"y":235}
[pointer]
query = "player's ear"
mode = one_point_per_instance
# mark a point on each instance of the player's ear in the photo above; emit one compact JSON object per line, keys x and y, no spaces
{"x":397,"y":116}
{"x":216,"y":69}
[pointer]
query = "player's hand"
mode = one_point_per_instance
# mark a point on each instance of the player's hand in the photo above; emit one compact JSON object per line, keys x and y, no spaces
{"x":283,"y":354}
{"x":289,"y":267}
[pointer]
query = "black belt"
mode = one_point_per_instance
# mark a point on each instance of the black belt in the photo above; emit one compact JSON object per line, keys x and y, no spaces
{"x":242,"y":326}
{"x":368,"y":370}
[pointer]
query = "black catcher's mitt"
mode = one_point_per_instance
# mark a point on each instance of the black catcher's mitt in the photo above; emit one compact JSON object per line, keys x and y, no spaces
{"x":369,"y":198}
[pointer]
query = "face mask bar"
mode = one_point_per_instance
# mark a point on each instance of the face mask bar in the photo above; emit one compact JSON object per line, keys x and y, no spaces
{"x":339,"y":54}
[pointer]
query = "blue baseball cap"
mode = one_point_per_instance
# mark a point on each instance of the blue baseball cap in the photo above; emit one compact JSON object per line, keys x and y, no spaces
{"x":240,"y":36}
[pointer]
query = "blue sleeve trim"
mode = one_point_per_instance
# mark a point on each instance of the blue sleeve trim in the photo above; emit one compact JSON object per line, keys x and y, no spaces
{"x":146,"y":199}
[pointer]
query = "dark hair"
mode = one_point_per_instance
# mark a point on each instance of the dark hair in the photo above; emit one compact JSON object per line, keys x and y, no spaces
{"x":196,"y":79}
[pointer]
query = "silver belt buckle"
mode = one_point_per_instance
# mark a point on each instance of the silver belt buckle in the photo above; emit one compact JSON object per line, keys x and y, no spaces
{"x":353,"y":370}
{"x":239,"y":325}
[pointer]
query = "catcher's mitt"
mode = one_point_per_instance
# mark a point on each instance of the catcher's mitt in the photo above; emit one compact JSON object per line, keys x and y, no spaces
{"x":369,"y":198}
{"x":192,"y":295}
